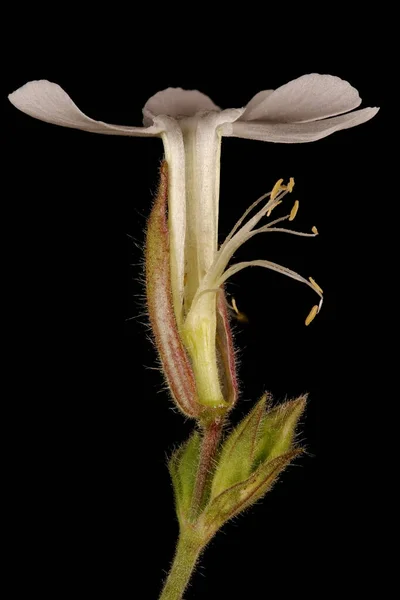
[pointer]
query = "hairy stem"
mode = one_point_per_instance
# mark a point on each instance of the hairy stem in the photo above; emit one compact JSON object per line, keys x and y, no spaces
{"x":187,"y":553}
{"x":190,"y":543}
{"x":209,"y":445}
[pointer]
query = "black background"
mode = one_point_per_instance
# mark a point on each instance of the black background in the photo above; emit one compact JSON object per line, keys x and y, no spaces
{"x":90,"y":426}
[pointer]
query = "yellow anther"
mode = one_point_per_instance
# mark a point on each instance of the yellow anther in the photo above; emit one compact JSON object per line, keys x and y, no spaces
{"x":279,"y":187}
{"x":313,"y":313}
{"x":294,"y":210}
{"x":314,"y":230}
{"x":234,"y":306}
{"x":276,"y":189}
{"x":290,"y":185}
{"x":239,"y":315}
{"x":315,"y":285}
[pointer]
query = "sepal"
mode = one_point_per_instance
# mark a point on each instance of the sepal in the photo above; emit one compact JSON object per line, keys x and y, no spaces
{"x":279,"y":430}
{"x":237,"y":455}
{"x":251,"y":459}
{"x":183,"y":468}
{"x":174,"y":359}
{"x":243,"y":494}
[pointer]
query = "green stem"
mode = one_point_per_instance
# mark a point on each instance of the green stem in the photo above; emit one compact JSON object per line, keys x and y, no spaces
{"x":190,"y":544}
{"x":187,"y":553}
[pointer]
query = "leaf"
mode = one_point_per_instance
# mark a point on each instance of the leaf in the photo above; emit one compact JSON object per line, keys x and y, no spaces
{"x":279,"y":430}
{"x":244,"y":493}
{"x":183,"y":468}
{"x":237,"y":456}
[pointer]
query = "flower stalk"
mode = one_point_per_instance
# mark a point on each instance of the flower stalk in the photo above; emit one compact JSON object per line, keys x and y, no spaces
{"x":209,"y":446}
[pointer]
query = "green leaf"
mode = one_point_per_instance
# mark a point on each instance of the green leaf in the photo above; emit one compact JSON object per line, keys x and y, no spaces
{"x":245,"y":493}
{"x":183,"y":468}
{"x":237,"y":456}
{"x":279,"y":430}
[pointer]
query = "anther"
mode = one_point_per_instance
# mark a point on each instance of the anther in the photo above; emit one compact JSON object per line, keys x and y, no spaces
{"x":314,"y":230}
{"x":290,"y":185}
{"x":276,"y":189}
{"x":239,"y":315}
{"x":294,"y":210}
{"x":234,"y":306}
{"x":315,"y":285}
{"x":313,"y":313}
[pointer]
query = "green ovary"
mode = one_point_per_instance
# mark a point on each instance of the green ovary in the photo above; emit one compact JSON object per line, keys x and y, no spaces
{"x":199,"y":333}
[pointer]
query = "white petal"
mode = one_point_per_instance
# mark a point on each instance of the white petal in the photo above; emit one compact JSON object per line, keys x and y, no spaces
{"x":307,"y":98}
{"x":254,"y":103}
{"x":176,"y":102}
{"x":294,"y":133}
{"x":48,"y":102}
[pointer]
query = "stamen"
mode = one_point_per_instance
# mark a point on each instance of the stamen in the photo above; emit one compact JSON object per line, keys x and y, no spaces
{"x":279,"y":187}
{"x":239,"y":315}
{"x":313,"y":313}
{"x":268,"y":265}
{"x":315,"y":285}
{"x":294,"y":210}
{"x":267,"y":229}
{"x":234,"y":306}
{"x":236,"y":238}
{"x":314,"y":230}
{"x":242,"y":218}
{"x":285,"y":218}
{"x":276,"y":189}
{"x":241,"y":233}
{"x":290,"y":185}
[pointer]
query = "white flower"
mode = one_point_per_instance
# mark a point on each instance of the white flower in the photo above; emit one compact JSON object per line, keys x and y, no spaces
{"x":191,"y":126}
